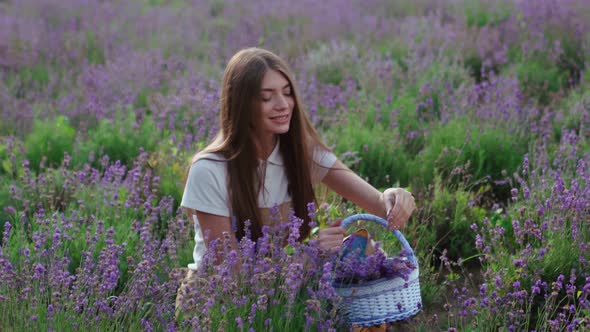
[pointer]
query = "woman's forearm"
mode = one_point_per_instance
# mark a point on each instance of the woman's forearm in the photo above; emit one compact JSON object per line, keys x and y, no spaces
{"x":352,"y":187}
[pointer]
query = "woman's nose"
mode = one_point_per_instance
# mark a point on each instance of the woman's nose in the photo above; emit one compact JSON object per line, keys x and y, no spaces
{"x":282,"y":102}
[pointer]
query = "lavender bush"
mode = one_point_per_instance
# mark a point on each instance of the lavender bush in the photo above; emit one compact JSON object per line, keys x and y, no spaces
{"x":264,"y":286}
{"x":535,"y":266}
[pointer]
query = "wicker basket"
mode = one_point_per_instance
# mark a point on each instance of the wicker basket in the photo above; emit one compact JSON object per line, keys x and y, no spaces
{"x":385,"y":299}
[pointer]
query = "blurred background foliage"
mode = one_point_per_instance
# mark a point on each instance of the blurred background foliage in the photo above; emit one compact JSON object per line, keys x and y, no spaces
{"x":103,"y":104}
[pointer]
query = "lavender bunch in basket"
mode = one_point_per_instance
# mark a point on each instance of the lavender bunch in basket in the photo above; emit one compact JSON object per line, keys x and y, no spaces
{"x":362,"y":260}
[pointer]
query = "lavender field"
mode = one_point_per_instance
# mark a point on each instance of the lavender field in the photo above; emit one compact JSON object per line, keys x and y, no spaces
{"x":480,"y":108}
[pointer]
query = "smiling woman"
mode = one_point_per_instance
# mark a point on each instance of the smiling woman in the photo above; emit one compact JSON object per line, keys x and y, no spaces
{"x":266,"y":155}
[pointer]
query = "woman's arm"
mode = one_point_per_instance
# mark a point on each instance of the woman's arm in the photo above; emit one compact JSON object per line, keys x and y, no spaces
{"x":352,"y":187}
{"x":213,"y":227}
{"x":394,"y":204}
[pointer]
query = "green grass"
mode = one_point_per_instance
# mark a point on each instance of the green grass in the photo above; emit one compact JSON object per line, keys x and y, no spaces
{"x":484,"y":151}
{"x":380,"y":156}
{"x":120,"y":139}
{"x":49,"y":139}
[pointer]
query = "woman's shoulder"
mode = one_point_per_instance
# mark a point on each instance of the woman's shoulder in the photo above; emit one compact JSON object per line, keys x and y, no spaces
{"x":206,"y":185}
{"x":209,"y":163}
{"x":209,"y":157}
{"x":323,"y":155}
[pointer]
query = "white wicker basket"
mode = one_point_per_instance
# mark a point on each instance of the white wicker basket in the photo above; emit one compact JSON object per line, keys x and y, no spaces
{"x":382,"y":300}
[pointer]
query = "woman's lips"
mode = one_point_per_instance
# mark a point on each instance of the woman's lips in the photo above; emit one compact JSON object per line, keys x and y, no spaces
{"x":280,"y":118}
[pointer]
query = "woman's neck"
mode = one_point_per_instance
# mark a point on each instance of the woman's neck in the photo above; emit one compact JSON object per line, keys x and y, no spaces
{"x":264,"y":147}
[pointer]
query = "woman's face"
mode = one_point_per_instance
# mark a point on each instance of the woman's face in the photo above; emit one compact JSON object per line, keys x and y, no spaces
{"x":275,"y":105}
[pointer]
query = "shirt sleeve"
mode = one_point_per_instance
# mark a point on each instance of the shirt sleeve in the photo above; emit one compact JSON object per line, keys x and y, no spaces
{"x":206,"y":188}
{"x":323,"y":160}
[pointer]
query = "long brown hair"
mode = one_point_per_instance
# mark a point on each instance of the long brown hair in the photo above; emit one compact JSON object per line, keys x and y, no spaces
{"x":242,"y":81}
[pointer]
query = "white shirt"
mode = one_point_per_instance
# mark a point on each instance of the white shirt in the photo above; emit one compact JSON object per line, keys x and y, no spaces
{"x":206,"y":188}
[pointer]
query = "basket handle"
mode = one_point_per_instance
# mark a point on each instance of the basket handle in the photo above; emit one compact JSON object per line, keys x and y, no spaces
{"x":400,"y":237}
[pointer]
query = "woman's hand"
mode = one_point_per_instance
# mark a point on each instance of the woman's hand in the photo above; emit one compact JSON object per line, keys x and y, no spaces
{"x":399,"y":206}
{"x":331,"y":237}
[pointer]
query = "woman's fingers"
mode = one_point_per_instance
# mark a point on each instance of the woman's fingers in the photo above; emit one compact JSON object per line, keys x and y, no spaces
{"x":389,"y":200}
{"x":331,"y":238}
{"x":403,"y":207}
{"x":336,"y":223}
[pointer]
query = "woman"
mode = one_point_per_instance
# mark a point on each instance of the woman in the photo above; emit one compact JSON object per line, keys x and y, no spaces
{"x":268,"y":154}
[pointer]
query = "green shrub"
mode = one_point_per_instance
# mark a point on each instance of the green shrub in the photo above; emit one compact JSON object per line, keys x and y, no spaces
{"x":488,"y":151}
{"x":4,"y":160}
{"x":422,"y":235}
{"x":20,"y":82}
{"x":122,"y":139}
{"x":171,"y":180}
{"x":540,"y":78}
{"x":393,"y":48}
{"x":170,"y":166}
{"x":380,"y":156}
{"x":478,"y":14}
{"x":383,"y":162}
{"x":37,"y":76}
{"x":452,"y":213}
{"x":11,"y":157}
{"x":575,"y":117}
{"x":6,"y":215}
{"x":562,"y":255}
{"x":572,"y":42}
{"x":421,"y":103}
{"x":332,"y":63}
{"x":571,"y":62}
{"x":408,"y":124}
{"x":142,"y":99}
{"x":49,"y":139}
{"x":473,"y":63}
{"x":94,"y":51}
{"x":217,"y":7}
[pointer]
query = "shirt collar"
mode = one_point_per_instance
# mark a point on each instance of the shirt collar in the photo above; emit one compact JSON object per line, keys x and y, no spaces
{"x":275,"y":156}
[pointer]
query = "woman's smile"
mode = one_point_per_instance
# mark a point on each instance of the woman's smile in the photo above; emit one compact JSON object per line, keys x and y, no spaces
{"x":281,"y":119}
